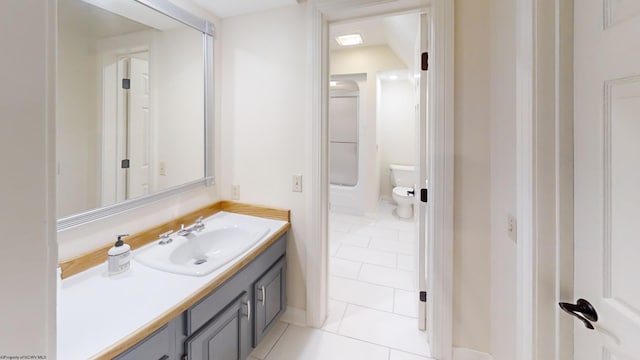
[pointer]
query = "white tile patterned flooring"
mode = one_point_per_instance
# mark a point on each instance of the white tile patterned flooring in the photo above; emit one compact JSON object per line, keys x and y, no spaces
{"x":373,"y":297}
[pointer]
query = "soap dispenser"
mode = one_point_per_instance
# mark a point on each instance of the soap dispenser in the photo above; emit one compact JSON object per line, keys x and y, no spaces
{"x":119,"y":257}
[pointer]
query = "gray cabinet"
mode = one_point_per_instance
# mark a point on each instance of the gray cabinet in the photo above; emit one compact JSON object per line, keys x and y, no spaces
{"x":230,"y":321}
{"x":269,"y":299}
{"x":226,"y":337}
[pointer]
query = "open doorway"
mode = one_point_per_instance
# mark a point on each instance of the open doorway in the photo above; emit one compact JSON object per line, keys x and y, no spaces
{"x":126,"y":126}
{"x":438,"y":289}
{"x":374,"y":166}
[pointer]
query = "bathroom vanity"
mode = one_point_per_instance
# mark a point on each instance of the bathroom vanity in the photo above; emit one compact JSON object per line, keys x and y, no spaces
{"x":147,"y":313}
{"x":228,"y":322}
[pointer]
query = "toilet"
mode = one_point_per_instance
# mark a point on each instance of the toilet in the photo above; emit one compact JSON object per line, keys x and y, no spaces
{"x":402,"y":179}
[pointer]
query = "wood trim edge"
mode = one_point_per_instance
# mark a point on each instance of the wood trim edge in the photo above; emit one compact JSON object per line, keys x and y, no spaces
{"x":97,"y":256}
{"x":256,"y":210}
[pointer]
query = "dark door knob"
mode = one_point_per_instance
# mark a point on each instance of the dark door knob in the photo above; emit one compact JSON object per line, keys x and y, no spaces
{"x":583,"y":310}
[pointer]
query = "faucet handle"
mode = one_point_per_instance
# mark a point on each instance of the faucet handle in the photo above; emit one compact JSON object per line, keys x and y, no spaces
{"x":165,"y":238}
{"x":199,"y":225}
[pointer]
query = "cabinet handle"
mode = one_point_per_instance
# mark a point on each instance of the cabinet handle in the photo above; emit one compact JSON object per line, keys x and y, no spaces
{"x":164,"y":357}
{"x":264,"y":295}
{"x":248,"y":309}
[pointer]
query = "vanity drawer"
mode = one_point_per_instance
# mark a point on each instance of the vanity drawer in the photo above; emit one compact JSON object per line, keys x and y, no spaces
{"x":199,"y":314}
{"x":158,"y":346}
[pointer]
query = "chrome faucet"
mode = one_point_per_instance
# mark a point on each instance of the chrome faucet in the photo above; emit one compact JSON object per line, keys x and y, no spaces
{"x":198,"y":226}
{"x":189,"y":233}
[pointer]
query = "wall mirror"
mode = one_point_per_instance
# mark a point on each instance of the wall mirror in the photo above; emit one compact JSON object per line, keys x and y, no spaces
{"x":134,"y":109}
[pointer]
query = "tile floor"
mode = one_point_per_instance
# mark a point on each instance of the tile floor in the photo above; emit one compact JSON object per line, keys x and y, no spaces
{"x":373,"y":298}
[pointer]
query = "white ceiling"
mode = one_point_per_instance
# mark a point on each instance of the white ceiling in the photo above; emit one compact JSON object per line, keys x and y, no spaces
{"x":399,"y":32}
{"x":229,"y":8}
{"x":333,"y":9}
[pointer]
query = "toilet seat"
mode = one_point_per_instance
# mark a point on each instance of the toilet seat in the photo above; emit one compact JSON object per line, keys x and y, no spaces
{"x":401,"y":191}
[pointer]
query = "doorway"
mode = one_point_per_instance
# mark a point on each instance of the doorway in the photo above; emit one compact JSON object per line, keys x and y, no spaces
{"x":440,"y":109}
{"x":127,"y":128}
{"x":374,"y":170}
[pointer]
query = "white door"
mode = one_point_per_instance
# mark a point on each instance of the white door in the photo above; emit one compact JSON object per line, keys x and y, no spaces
{"x":138,"y":130}
{"x":421,"y":175}
{"x":607,"y":176}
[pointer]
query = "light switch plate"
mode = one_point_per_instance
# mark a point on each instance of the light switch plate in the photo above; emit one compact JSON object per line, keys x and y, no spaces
{"x":297,"y":183}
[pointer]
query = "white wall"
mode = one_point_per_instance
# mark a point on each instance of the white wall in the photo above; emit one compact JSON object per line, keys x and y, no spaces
{"x":397,"y":121}
{"x":370,"y":60}
{"x":180,"y":106}
{"x":27,"y":146}
{"x":503,"y":179}
{"x":266,"y":110}
{"x":472,"y":191}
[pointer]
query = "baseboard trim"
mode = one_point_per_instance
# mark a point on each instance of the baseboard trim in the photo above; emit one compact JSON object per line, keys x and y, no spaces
{"x":468,"y":354}
{"x":295,"y":316}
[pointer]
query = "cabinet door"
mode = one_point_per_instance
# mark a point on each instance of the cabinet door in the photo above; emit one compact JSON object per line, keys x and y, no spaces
{"x":269,"y":298}
{"x":226,"y":336}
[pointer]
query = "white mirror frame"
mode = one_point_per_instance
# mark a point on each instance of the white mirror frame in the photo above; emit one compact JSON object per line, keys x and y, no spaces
{"x":207,"y":29}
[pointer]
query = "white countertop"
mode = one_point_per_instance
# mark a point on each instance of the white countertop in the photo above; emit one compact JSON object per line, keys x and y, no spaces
{"x":96,"y":311}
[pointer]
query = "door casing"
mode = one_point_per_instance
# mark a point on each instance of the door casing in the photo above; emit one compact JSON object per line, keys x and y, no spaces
{"x":441,"y":119}
{"x":544,"y":147}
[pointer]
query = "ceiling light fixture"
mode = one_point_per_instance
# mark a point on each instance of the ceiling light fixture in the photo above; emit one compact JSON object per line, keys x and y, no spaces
{"x":393,"y":77}
{"x":349,"y":40}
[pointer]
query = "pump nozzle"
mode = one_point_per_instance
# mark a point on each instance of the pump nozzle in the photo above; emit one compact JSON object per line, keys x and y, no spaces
{"x":120,"y":242}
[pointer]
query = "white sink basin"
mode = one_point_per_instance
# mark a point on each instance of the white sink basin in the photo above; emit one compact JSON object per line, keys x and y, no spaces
{"x":201,"y":253}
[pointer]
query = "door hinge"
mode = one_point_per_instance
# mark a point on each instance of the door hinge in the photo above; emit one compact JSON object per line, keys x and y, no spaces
{"x":124,"y":164}
{"x":423,"y":296}
{"x":424,"y":195}
{"x":126,"y":84}
{"x":425,"y":61}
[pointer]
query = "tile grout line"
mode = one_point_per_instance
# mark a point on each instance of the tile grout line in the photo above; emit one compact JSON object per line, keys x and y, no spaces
{"x":393,"y":302}
{"x":374,"y":309}
{"x":389,"y":348}
{"x":394,"y":254}
{"x":359,"y":270}
{"x":277,"y":340}
{"x":353,"y":227}
{"x":344,"y":312}
{"x":372,"y":283}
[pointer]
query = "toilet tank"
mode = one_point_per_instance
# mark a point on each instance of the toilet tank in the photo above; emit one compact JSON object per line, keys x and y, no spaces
{"x":402,"y":175}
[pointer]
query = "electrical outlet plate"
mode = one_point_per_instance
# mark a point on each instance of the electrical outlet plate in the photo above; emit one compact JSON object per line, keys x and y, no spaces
{"x":297,"y":183}
{"x":235,"y":192}
{"x":512,"y":227}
